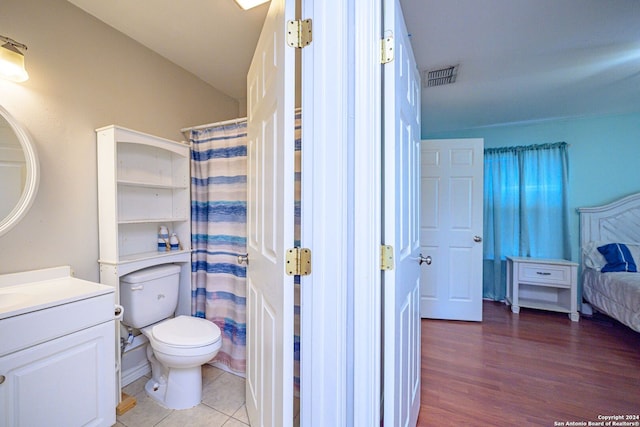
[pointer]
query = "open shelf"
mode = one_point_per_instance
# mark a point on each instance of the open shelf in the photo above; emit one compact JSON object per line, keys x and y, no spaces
{"x":543,"y":305}
{"x":152,"y":220}
{"x":152,"y":255}
{"x":143,"y":183}
{"x":150,"y":185}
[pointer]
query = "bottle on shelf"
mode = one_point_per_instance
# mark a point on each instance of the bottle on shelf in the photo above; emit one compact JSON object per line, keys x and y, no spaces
{"x":174,"y":242}
{"x":163,"y":239}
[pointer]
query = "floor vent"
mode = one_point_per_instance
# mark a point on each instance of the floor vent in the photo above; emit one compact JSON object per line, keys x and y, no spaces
{"x":439,"y":77}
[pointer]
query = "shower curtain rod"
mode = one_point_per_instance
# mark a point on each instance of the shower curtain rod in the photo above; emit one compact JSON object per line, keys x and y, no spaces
{"x":226,"y":122}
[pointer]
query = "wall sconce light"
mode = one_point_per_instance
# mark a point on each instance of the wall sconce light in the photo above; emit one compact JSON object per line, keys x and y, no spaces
{"x":248,"y":4}
{"x":12,"y":60}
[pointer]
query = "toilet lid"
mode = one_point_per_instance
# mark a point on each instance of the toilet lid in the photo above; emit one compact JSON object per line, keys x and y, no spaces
{"x":186,"y":331}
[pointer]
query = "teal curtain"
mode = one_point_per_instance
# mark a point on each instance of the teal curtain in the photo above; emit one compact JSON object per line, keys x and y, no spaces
{"x":525,"y":208}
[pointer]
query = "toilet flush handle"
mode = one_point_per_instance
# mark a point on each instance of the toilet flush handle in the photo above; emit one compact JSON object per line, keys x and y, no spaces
{"x":137,"y":288}
{"x":118,"y":312}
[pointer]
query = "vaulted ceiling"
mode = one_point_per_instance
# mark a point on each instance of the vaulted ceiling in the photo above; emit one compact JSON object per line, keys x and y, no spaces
{"x":519,"y":60}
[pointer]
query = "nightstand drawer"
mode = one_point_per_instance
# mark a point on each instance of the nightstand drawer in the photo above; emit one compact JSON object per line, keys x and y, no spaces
{"x":545,"y":274}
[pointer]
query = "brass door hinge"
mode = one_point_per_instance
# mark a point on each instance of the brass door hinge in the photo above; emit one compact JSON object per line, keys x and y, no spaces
{"x":386,"y":257}
{"x":299,"y":33}
{"x":387,"y":54}
{"x":298,"y":262}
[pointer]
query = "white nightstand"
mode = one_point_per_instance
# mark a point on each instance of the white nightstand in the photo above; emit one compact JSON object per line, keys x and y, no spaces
{"x":545,"y":284}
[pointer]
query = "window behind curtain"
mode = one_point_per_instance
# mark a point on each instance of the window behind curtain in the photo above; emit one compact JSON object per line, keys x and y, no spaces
{"x":525,"y":208}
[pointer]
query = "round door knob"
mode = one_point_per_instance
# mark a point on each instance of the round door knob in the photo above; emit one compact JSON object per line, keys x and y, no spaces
{"x":477,"y":239}
{"x":243,"y":259}
{"x":426,"y":260}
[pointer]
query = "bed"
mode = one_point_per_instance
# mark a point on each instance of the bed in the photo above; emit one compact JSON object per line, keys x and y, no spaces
{"x":610,"y":251}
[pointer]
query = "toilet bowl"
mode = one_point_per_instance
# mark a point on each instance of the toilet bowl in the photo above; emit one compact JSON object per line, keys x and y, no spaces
{"x":178,"y":346}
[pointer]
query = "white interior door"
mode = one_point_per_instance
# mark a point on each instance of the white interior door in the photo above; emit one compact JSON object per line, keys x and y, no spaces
{"x":270,"y":210}
{"x":401,"y":198}
{"x":451,"y":229}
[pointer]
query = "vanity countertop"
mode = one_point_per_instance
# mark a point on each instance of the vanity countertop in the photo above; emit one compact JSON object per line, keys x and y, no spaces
{"x":22,"y":293}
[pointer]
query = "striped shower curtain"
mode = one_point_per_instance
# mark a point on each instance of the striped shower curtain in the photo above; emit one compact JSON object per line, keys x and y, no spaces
{"x":218,"y":227}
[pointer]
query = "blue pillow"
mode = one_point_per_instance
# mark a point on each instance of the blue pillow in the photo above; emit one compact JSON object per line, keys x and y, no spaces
{"x":618,"y":258}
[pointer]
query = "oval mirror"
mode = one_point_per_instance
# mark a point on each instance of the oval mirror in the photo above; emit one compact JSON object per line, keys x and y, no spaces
{"x":19,"y":174}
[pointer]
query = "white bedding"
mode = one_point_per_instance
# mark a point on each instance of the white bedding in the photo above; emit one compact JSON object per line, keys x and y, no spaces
{"x":615,"y":294}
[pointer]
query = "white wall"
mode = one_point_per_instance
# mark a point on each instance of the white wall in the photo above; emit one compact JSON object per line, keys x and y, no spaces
{"x":84,"y":75}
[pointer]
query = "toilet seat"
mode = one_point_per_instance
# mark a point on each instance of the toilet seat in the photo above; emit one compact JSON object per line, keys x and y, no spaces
{"x":186,"y":332}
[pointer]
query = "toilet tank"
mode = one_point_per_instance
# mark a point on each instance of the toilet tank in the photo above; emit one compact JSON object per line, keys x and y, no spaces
{"x":149,"y":295}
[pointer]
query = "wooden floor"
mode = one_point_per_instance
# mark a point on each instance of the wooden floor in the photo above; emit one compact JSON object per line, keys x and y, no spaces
{"x":533,"y":369}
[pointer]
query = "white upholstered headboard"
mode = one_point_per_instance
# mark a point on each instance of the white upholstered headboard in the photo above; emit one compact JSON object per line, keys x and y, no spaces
{"x":617,"y":221}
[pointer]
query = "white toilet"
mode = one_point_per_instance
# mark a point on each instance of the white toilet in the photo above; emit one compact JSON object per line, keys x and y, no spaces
{"x":178,"y":346}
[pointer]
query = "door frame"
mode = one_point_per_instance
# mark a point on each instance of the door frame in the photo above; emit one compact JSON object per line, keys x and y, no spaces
{"x":342,"y":138}
{"x":324,"y":224}
{"x":341,"y":214}
{"x":367,"y":197}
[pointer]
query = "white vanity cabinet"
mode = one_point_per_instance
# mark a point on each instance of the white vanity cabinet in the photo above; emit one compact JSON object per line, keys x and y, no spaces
{"x":144,"y":182}
{"x":57,"y":357}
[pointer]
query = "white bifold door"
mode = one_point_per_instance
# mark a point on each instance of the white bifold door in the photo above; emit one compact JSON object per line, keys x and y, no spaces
{"x":401,"y":199}
{"x":270,"y":218}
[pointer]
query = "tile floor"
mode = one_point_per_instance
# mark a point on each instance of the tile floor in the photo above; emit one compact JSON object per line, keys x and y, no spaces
{"x":222,"y":404}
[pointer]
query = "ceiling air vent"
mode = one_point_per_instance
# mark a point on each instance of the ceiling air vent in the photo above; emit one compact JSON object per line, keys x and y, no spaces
{"x":439,"y":77}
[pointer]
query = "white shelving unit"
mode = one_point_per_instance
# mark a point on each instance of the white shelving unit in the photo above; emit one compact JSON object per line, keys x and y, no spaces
{"x":143,"y":183}
{"x":544,"y":284}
